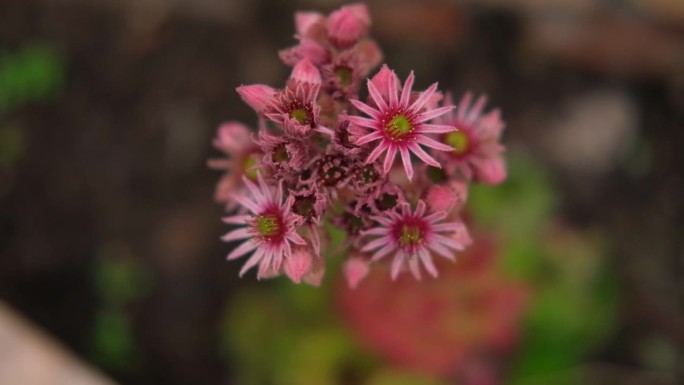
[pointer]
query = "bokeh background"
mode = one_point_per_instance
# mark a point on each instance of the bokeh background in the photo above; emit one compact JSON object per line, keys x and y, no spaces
{"x":109,"y":238}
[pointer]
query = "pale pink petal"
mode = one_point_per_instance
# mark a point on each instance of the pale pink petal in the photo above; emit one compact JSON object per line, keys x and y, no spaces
{"x":397,"y":264}
{"x":431,"y":114}
{"x":429,"y":142}
{"x":241,"y":250}
{"x":406,"y":91}
{"x":406,"y":159}
{"x":237,"y":234}
{"x":375,"y":114}
{"x":427,"y":262}
{"x":420,"y":153}
{"x":389,"y":159}
{"x":368,"y":138}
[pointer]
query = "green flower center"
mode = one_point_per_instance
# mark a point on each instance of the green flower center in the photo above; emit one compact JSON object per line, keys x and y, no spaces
{"x":250,"y":161}
{"x":386,"y":201}
{"x":304,"y":206}
{"x":344,"y":74}
{"x":411,"y":235}
{"x":398,"y":127}
{"x":267,"y":225}
{"x":459,"y":141}
{"x":280,"y":154}
{"x":300,"y":114}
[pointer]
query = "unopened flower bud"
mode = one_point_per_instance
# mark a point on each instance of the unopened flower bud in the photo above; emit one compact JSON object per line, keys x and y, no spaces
{"x":298,"y":264}
{"x":355,"y":270}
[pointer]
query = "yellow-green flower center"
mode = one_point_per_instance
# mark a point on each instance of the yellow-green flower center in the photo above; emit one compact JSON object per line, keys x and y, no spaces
{"x":300,"y":114}
{"x":280,"y":154}
{"x":267,"y":225}
{"x":459,"y":141}
{"x":248,"y":163}
{"x":398,"y":127}
{"x":411,"y":235}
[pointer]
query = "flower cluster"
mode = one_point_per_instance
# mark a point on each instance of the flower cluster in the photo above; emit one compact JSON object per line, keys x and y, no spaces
{"x":325,"y":159}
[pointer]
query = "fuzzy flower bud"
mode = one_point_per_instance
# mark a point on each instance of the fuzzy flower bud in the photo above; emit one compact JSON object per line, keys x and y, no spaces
{"x":299,"y":264}
{"x":348,"y":24}
{"x":355,"y":270}
{"x":306,"y":72}
{"x":440,"y":198}
{"x":258,"y":96}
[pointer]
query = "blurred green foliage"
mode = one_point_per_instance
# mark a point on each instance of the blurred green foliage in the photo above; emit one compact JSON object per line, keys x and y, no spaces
{"x":34,"y":73}
{"x":120,"y":280}
{"x":574,"y":296}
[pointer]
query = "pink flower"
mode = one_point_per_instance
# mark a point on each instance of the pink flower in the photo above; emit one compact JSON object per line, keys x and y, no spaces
{"x":269,"y":228}
{"x":282,"y":154}
{"x":293,"y":108}
{"x":399,"y":124}
{"x":477,"y":151}
{"x":234,"y":140}
{"x":412,"y":236}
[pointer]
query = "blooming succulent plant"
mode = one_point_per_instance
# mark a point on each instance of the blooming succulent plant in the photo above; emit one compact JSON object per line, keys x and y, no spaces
{"x":325,"y":154}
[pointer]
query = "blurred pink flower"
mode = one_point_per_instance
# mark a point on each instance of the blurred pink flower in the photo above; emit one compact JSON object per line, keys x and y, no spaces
{"x":458,"y":327}
{"x":234,"y":140}
{"x":477,"y":151}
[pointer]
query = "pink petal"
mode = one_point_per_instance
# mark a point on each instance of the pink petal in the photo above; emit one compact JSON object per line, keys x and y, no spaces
{"x":396,"y":265}
{"x":372,"y":112}
{"x":431,"y":114}
{"x":389,"y":159}
{"x":420,"y":153}
{"x":243,"y":249}
{"x":258,"y":96}
{"x":368,"y":138}
{"x":429,"y":142}
{"x":406,"y":159}
{"x":424,"y":97}
{"x":406,"y":91}
{"x":376,"y":153}
{"x":376,"y":96}
{"x":251,"y":262}
{"x":382,"y":252}
{"x":237,"y":234}
{"x":436,"y":128}
{"x":427,"y":262}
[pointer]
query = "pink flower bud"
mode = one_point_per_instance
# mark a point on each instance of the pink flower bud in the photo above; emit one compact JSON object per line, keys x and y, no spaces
{"x":298,"y":264}
{"x":305,"y":72}
{"x":441,"y":198}
{"x":305,"y":21}
{"x":355,"y":270}
{"x":348,"y":24}
{"x":258,"y":96}
{"x":491,"y":171}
